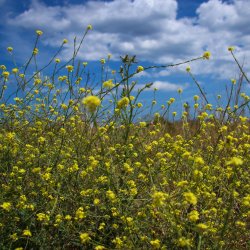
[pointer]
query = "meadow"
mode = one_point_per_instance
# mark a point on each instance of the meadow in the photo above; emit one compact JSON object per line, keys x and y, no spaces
{"x":78,"y":170}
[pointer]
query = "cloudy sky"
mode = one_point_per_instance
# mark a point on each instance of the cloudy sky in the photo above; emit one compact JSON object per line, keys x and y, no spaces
{"x":157,"y":31}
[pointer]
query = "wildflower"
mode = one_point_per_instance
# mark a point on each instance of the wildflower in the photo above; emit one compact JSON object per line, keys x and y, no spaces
{"x":68,"y":217}
{"x":202,"y":227}
{"x":109,"y":56}
{"x":108,"y":84}
{"x":143,"y":124}
{"x":155,"y":243}
{"x":139,"y":105}
{"x":196,"y":97}
{"x":184,"y":242}
{"x":190,"y":198}
{"x":39,"y":32}
{"x":89,"y":27}
{"x":69,"y":68}
{"x":230,"y":48}
{"x":35,"y":51}
{"x":5,"y":74}
{"x":193,"y":215}
{"x":91,"y":102}
{"x":179,"y":90}
{"x":84,"y":237}
{"x":57,"y":60}
{"x":14,"y":237}
{"x":96,"y":201}
{"x":99,"y":247}
{"x":84,"y":64}
{"x":111,"y":195}
{"x":80,"y":214}
{"x":236,"y":161}
{"x":188,"y":68}
{"x":27,"y":233}
{"x":122,"y":103}
{"x":65,"y":41}
{"x":174,"y":113}
{"x":6,"y":206}
{"x":233,"y":81}
{"x":159,"y":198}
{"x":139,"y":69}
{"x":206,"y":55}
{"x":102,"y":61}
{"x":15,"y":70}
{"x":10,"y":49}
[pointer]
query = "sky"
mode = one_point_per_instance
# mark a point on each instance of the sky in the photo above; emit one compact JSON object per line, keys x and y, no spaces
{"x":158,"y":32}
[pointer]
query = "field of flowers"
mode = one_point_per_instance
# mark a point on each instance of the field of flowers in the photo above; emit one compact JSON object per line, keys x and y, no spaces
{"x":79,"y":171}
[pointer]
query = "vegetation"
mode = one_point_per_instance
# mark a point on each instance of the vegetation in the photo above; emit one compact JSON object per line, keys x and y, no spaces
{"x":78,"y":170}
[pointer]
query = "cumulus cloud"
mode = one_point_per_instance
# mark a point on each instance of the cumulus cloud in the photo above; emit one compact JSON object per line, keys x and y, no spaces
{"x":149,"y":29}
{"x":164,"y":86}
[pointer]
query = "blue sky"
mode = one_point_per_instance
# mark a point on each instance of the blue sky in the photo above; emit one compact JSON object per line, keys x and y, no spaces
{"x":157,"y":31}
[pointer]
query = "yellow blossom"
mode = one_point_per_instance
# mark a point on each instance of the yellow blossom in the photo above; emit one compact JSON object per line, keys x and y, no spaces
{"x":122,"y":103}
{"x":206,"y":55}
{"x":139,"y":69}
{"x":27,"y":233}
{"x":190,"y":198}
{"x":91,"y":102}
{"x":6,"y":206}
{"x":84,"y":237}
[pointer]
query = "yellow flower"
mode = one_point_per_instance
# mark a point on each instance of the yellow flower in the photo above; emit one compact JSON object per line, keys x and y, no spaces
{"x":236,"y":161}
{"x":188,"y":68}
{"x":65,"y":41}
{"x":139,"y":105}
{"x":35,"y":51}
{"x":230,"y":48}
{"x":190,"y":198}
{"x":6,"y":206}
{"x":206,"y":55}
{"x":91,"y":102}
{"x":108,"y":84}
{"x":89,"y":27}
{"x":57,"y":60}
{"x":184,"y":242}
{"x":5,"y":74}
{"x":27,"y":233}
{"x":139,"y":69}
{"x":155,"y":243}
{"x":69,"y":68}
{"x":84,"y":64}
{"x":159,"y":198}
{"x":80,"y":214}
{"x":111,"y":195}
{"x":15,"y":70}
{"x":179,"y":90}
{"x":122,"y":103}
{"x":196,"y":97}
{"x":10,"y":49}
{"x":39,"y":32}
{"x":233,"y":81}
{"x":193,"y":215}
{"x":102,"y":61}
{"x":99,"y":247}
{"x":84,"y":237}
{"x":202,"y":227}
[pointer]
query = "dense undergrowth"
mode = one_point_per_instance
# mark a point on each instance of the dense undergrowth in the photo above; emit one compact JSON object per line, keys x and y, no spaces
{"x":79,"y":171}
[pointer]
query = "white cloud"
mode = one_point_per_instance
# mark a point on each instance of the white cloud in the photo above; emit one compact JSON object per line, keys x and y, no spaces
{"x":163,"y":86}
{"x":146,"y":28}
